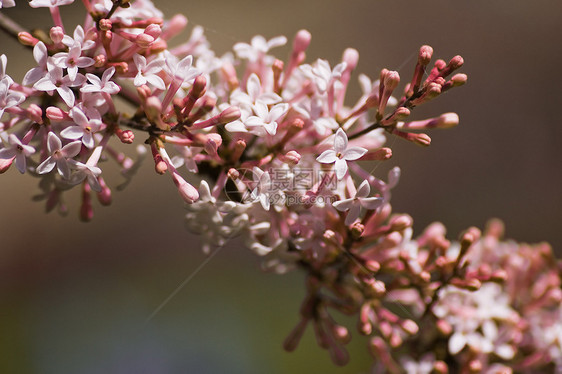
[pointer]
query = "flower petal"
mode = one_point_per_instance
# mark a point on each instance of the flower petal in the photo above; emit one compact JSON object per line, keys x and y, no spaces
{"x":340,"y":141}
{"x":341,"y":168}
{"x":354,"y":153}
{"x":327,"y":157}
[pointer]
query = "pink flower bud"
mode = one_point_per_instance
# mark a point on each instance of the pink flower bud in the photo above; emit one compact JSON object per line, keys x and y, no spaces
{"x":105,"y":24}
{"x":444,"y":327}
{"x":35,"y":113}
{"x":56,"y":114}
{"x":188,"y":193}
{"x":424,"y":57}
{"x":302,"y":41}
{"x":153,"y":30}
{"x":126,"y":136}
{"x":199,"y":87}
{"x":409,"y":326}
{"x":233,"y":174}
{"x":104,"y":196}
{"x":350,"y":57}
{"x":5,"y":164}
{"x":292,"y":158}
{"x":86,"y":209}
{"x":228,"y":115}
{"x":100,"y":61}
{"x":373,"y":266}
{"x":144,"y":40}
{"x":56,"y":34}
{"x":26,"y":38}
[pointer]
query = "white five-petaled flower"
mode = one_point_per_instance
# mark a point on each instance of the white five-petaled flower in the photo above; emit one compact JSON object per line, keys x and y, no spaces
{"x":102,"y":85}
{"x":322,"y":75}
{"x":88,"y":171}
{"x":180,"y":70}
{"x":8,"y":98}
{"x":49,"y":3}
{"x":59,"y":156}
{"x":353,"y":205}
{"x":54,"y":81}
{"x":72,"y":60}
{"x":148,"y":73}
{"x":86,"y":127}
{"x":263,"y":122}
{"x":341,"y":154}
{"x":18,"y":150}
{"x":258,"y":47}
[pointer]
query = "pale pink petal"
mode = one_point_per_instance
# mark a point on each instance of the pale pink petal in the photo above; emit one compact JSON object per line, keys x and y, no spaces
{"x":327,"y":157}
{"x":340,"y":141}
{"x":72,"y":132}
{"x":46,"y":166}
{"x":53,"y":142}
{"x":343,"y":205}
{"x":371,"y":203}
{"x":71,"y":149}
{"x":353,"y":214}
{"x":62,"y":168}
{"x":341,"y":168}
{"x":21,"y":163}
{"x":364,"y":189}
{"x":67,"y":95}
{"x":354,"y":153}
{"x":253,"y":87}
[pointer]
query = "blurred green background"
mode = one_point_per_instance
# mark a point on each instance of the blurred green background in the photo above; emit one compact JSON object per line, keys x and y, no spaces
{"x":74,"y":296}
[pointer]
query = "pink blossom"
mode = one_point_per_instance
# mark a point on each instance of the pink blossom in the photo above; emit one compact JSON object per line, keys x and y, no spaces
{"x":360,"y":200}
{"x":103,"y":85}
{"x":72,"y":60}
{"x":340,"y":154}
{"x":59,"y":156}
{"x":55,"y":81}
{"x":18,"y":150}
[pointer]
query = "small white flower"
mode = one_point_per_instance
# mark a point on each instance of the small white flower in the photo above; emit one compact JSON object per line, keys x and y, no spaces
{"x":180,"y":70}
{"x":353,"y":205}
{"x":102,"y":85}
{"x":59,"y":156}
{"x":88,"y":171}
{"x":148,"y":73}
{"x":254,"y":93}
{"x":86,"y":127}
{"x":322,"y":75}
{"x":264,"y":122}
{"x":72,"y":60}
{"x":18,"y":150}
{"x":340,"y":154}
{"x":54,"y":81}
{"x":258,"y":47}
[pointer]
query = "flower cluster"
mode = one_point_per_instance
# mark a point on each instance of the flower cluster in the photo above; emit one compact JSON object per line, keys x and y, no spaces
{"x":280,"y":158}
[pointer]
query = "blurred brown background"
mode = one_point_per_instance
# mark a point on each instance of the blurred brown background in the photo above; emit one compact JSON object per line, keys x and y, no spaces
{"x":74,"y":296}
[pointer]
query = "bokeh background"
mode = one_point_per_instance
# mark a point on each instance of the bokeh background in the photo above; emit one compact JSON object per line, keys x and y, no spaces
{"x":74,"y":297}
